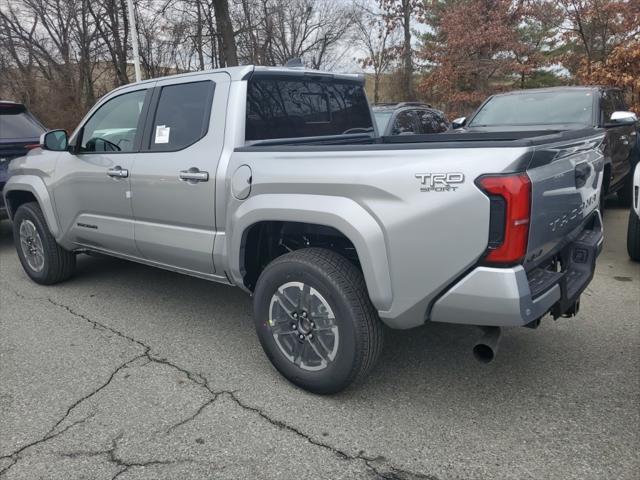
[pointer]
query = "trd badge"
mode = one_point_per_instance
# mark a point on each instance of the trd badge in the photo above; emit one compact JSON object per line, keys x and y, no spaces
{"x":439,"y":182}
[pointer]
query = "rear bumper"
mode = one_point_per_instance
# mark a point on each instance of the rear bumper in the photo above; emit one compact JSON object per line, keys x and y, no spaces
{"x":509,"y":297}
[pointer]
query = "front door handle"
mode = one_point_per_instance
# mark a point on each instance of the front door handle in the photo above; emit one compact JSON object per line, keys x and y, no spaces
{"x":118,"y":172}
{"x":194,"y":175}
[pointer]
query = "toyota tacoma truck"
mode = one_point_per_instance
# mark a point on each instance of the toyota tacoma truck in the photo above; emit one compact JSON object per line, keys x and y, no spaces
{"x":275,"y":180}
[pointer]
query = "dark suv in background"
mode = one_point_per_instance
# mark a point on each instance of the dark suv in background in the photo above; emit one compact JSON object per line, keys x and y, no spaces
{"x":408,"y":118}
{"x":567,"y":108}
{"x":19,"y":131}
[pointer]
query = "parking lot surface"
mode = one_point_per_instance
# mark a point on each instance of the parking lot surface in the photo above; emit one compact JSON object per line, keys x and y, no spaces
{"x":131,"y":372}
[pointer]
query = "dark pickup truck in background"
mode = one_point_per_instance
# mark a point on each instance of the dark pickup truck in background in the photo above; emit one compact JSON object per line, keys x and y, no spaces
{"x":567,"y":108}
{"x":19,"y":130}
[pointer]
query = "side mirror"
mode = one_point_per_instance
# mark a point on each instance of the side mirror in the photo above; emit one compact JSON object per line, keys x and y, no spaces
{"x":54,"y":140}
{"x":458,"y":122}
{"x":622,"y":118}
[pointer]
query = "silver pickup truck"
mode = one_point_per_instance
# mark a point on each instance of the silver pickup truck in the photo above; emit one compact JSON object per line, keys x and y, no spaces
{"x":275,"y":180}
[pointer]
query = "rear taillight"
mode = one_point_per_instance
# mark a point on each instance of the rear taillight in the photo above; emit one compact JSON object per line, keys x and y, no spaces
{"x":510,"y":206}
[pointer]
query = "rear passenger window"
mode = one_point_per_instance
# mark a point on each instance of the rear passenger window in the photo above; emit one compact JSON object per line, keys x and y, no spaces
{"x":405,"y":123}
{"x":432,"y":121}
{"x":182,"y":115}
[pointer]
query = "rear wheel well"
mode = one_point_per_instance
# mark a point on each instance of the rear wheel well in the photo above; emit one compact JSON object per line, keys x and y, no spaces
{"x":265,"y":241}
{"x":16,"y":198}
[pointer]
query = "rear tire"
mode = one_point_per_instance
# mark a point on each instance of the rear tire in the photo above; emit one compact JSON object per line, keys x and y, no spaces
{"x":314,"y":300}
{"x":633,"y":236}
{"x":44,"y":261}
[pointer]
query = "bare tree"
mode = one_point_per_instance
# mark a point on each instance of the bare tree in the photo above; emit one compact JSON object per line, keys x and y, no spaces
{"x":379,"y":44}
{"x":399,"y":14}
{"x":225,"y":28}
{"x":275,"y":31}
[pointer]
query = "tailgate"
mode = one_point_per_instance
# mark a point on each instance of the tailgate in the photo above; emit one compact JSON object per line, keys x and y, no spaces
{"x":565,"y":187}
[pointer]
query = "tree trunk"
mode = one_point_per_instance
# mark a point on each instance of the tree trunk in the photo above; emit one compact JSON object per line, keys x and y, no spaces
{"x":406,"y":52}
{"x":376,"y":87}
{"x":225,"y":29}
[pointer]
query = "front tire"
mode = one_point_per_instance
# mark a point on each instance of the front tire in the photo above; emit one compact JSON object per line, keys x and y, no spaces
{"x":315,"y":320}
{"x":633,"y":236}
{"x":44,"y":261}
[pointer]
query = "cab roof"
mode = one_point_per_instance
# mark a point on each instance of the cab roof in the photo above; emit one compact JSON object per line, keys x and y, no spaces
{"x":246,"y":71}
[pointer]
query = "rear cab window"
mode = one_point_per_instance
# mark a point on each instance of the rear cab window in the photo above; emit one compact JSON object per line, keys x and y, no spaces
{"x":280,"y":107}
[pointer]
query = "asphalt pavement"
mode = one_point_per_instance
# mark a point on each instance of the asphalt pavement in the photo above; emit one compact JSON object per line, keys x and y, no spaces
{"x":132,"y":372}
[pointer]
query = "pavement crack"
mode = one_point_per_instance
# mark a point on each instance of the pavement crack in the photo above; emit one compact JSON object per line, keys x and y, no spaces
{"x":391,"y":473}
{"x":125,"y":465}
{"x":380,"y":472}
{"x":99,"y":325}
{"x":191,"y":417}
{"x":283,"y":426}
{"x":93,"y":392}
{"x":147,"y":350}
{"x":15,"y":456}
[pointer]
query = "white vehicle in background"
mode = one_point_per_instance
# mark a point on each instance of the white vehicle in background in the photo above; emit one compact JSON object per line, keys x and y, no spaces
{"x":633,"y":233}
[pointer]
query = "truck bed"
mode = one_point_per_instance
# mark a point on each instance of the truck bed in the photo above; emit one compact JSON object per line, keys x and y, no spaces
{"x":348,"y":142}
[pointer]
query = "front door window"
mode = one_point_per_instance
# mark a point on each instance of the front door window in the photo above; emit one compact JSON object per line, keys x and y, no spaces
{"x":114,"y":126}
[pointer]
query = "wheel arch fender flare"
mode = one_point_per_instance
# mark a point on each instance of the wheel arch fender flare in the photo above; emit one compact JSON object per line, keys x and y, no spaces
{"x":36,"y":187}
{"x":343,"y":214}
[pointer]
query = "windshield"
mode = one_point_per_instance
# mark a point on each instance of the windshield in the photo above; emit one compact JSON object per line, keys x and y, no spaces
{"x":539,"y":108}
{"x":14,"y":125}
{"x":382,"y":119}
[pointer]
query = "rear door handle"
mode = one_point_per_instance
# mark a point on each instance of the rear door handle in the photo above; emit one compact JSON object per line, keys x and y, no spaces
{"x":194,"y":175}
{"x":118,"y":172}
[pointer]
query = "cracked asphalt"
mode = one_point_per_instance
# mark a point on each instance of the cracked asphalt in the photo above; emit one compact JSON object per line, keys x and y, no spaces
{"x":130,"y":372}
